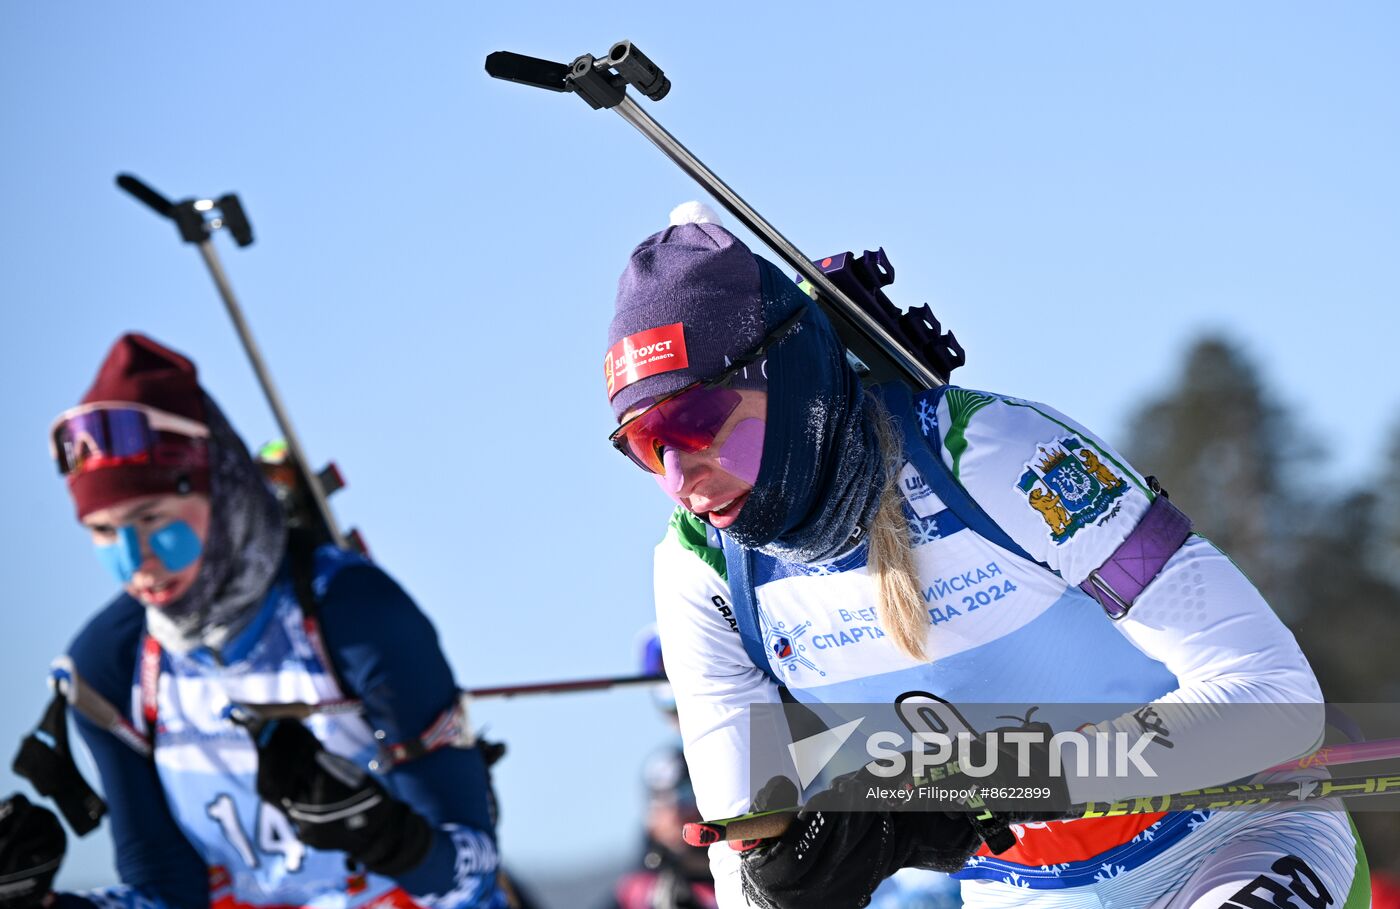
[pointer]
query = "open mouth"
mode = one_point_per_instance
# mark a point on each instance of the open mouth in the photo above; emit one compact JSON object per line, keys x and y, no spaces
{"x":726,"y":513}
{"x":156,"y":593}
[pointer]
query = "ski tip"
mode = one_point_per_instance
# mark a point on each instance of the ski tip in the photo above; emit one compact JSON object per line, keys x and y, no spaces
{"x":694,"y":213}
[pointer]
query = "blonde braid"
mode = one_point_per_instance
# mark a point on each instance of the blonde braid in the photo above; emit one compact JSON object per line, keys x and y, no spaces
{"x":900,"y":607}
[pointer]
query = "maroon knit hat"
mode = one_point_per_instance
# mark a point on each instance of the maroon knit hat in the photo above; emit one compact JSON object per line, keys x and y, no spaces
{"x":142,"y":371}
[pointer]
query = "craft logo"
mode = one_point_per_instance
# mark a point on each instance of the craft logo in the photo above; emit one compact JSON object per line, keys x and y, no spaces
{"x":1070,"y":485}
{"x":643,"y":354}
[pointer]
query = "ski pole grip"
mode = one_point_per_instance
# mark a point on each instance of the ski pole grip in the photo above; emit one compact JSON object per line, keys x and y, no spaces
{"x":158,"y":203}
{"x":763,"y":827}
{"x":759,"y":828}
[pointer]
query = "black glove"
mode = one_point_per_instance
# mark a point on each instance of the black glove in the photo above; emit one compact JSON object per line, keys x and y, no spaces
{"x":1005,"y":796}
{"x":1049,"y":796}
{"x":836,"y":858}
{"x":335,"y":805}
{"x":32,"y":843}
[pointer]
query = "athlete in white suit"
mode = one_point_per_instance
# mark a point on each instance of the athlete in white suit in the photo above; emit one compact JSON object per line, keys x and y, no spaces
{"x":889,"y":542}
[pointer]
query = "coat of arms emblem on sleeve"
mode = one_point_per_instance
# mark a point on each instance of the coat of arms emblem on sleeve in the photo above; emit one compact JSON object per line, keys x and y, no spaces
{"x":1070,"y":484}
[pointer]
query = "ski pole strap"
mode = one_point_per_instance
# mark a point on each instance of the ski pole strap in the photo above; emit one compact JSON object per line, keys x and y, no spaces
{"x":452,"y":729}
{"x":1118,"y":582}
{"x":993,"y":829}
{"x":45,"y":760}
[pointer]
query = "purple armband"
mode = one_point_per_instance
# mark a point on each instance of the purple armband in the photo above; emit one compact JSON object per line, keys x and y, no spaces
{"x":1118,"y":582}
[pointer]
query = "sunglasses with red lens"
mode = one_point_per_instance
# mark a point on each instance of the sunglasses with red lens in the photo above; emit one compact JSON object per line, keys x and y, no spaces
{"x":689,"y":418}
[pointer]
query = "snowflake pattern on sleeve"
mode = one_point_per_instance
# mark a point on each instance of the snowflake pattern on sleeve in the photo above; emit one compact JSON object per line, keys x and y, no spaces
{"x":121,"y":897}
{"x":474,"y":876}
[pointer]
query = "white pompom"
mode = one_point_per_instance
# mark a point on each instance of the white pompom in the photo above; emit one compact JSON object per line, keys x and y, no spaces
{"x":694,"y":213}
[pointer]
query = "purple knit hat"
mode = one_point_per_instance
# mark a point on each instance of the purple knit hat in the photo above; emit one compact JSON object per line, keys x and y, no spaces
{"x":689,"y":300}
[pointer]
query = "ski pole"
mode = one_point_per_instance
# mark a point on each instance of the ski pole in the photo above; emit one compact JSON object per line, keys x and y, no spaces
{"x":1349,"y":753}
{"x":1326,"y":756}
{"x":916,"y":351}
{"x":767,"y":824}
{"x":298,"y":710}
{"x":563,"y":687}
{"x":196,"y":225}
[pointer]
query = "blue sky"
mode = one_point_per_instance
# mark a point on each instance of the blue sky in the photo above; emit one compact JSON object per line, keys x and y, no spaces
{"x":1077,"y":189}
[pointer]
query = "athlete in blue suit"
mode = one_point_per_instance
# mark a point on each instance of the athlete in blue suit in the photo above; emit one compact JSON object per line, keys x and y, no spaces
{"x":378,"y":798}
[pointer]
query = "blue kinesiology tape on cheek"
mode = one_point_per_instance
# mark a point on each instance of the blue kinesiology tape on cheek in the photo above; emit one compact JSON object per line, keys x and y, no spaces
{"x":123,"y":556}
{"x":176,"y":545}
